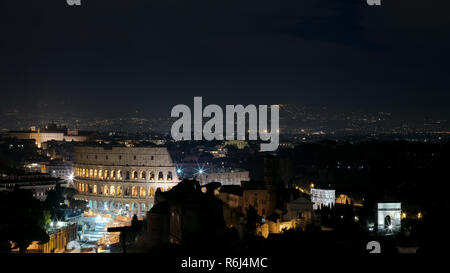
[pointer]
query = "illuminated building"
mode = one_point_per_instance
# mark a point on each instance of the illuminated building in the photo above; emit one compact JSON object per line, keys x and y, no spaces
{"x":63,"y":170}
{"x":60,"y":234}
{"x":321,"y":197}
{"x":261,"y":195}
{"x":225,"y":178}
{"x":43,"y":136}
{"x":122,"y":180}
{"x":389,"y":216}
{"x":33,"y":167}
{"x":343,"y":199}
{"x":295,"y":214}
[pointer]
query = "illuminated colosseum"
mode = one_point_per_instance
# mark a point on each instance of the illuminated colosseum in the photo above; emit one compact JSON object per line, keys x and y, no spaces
{"x":122,"y":180}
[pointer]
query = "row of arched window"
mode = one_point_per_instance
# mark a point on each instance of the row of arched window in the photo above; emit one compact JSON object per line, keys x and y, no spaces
{"x":106,"y":190}
{"x":119,"y":175}
{"x":118,"y":157}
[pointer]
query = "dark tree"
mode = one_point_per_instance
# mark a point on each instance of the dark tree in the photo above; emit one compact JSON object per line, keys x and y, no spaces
{"x":24,"y":219}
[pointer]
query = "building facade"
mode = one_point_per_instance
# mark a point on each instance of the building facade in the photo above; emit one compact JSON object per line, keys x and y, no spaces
{"x":122,"y":180}
{"x":225,"y":178}
{"x":321,"y":197}
{"x":185,"y":215}
{"x":63,"y":170}
{"x":43,"y":137}
{"x":60,"y":234}
{"x":389,"y":216}
{"x":38,"y":184}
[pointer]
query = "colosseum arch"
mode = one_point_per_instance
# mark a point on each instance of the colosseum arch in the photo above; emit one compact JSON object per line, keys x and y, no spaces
{"x":95,"y":172}
{"x":112,"y":190}
{"x":94,"y":189}
{"x":127,"y":176}
{"x":119,"y":190}
{"x":169,"y":176}
{"x":151,"y":191}
{"x":135,"y":175}
{"x":100,"y":173}
{"x":134,"y":191}
{"x":152,"y":175}
{"x":143,"y":175}
{"x":127,"y":191}
{"x":160,"y":176}
{"x":143,"y":192}
{"x":105,"y":190}
{"x":106,"y":174}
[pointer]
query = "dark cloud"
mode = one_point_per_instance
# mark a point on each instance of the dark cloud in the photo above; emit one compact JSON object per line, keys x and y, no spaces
{"x":119,"y":56}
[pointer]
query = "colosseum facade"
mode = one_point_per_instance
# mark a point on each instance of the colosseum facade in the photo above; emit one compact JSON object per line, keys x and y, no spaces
{"x":122,"y":180}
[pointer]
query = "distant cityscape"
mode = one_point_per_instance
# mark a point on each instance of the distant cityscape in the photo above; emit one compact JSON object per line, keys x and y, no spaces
{"x":94,"y":187}
{"x":296,"y":123}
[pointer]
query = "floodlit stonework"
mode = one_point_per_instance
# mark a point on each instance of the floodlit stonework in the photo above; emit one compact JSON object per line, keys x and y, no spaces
{"x":122,"y":180}
{"x":321,"y":197}
{"x":225,"y":178}
{"x":389,"y":216}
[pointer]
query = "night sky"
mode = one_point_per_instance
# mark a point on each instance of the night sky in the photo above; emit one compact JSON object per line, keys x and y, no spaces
{"x":116,"y":57}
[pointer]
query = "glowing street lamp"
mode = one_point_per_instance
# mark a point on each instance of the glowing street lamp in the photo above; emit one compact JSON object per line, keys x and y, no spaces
{"x":70,"y":177}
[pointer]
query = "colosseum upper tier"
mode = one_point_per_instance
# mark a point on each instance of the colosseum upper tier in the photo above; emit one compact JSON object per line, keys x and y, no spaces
{"x":122,"y":180}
